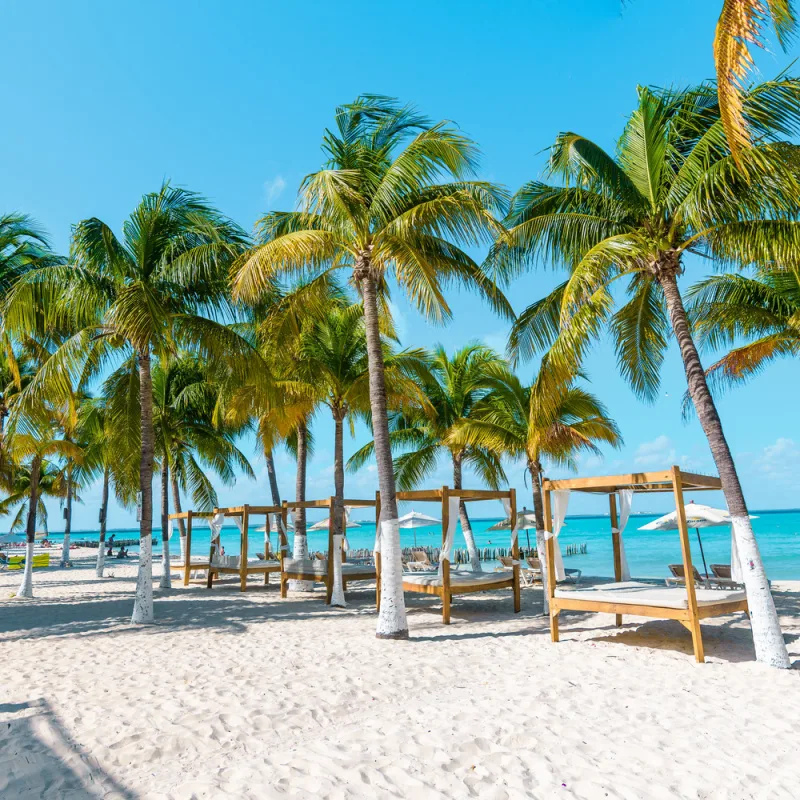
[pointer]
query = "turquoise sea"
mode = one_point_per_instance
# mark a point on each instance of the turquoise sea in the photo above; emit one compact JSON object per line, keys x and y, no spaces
{"x":648,"y":552}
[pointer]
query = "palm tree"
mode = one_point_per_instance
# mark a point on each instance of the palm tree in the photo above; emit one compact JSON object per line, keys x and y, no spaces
{"x":188,"y":443}
{"x":549,"y":422}
{"x":137,"y":296}
{"x":23,"y":246}
{"x":453,"y":388}
{"x":741,"y":25}
{"x":763,"y":309}
{"x":335,"y":366}
{"x":31,"y":439}
{"x":378,"y":208}
{"x":672,"y":188}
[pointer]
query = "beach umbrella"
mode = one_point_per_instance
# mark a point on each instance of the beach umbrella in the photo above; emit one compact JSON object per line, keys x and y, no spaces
{"x":416,"y":520}
{"x":697,"y":516}
{"x":12,"y":538}
{"x":322,"y":525}
{"x":526,"y":521}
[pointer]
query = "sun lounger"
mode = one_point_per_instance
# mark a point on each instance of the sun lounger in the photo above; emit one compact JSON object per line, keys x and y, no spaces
{"x":39,"y":561}
{"x":706,"y":581}
{"x":527,"y":575}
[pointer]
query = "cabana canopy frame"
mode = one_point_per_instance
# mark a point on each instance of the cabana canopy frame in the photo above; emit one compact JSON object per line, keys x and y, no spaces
{"x":350,"y":572}
{"x":671,"y":480}
{"x":188,"y":565}
{"x":446,"y":588}
{"x":245,"y":568}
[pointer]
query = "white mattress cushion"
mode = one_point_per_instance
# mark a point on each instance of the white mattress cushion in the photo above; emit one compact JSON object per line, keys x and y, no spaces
{"x":308,"y":566}
{"x":646,"y":594}
{"x":465,"y":579}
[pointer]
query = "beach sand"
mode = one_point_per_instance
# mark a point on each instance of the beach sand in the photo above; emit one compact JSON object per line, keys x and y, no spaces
{"x":233,"y":695}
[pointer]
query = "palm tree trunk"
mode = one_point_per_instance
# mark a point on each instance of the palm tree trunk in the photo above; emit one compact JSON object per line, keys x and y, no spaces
{"x":337,"y":596}
{"x":767,"y":636}
{"x":300,"y":549}
{"x":273,"y":480}
{"x":166,"y":575}
{"x":466,"y":527}
{"x":26,"y":586}
{"x":392,"y":623}
{"x":65,"y":562}
{"x":535,"y":471}
{"x":176,"y":504}
{"x":143,"y":602}
{"x":101,"y":550}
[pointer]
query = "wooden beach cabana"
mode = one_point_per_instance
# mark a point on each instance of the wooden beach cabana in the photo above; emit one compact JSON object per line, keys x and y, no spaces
{"x":242,"y":565}
{"x":445,"y":584}
{"x":189,"y":564}
{"x":322,"y":571}
{"x":686,"y":604}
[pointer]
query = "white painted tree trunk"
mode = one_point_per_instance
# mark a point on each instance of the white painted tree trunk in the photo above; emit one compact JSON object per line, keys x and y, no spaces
{"x":26,"y":586}
{"x":541,"y":549}
{"x":65,"y":562}
{"x":392,"y":616}
{"x":183,"y":548}
{"x":300,"y":551}
{"x":166,"y":571}
{"x":337,"y":596}
{"x":101,"y":560}
{"x":767,"y":636}
{"x":143,"y":602}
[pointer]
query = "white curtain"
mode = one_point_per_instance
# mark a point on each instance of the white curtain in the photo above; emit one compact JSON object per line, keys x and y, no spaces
{"x":347,"y":510}
{"x":736,"y":564}
{"x":514,"y":524}
{"x":625,"y":501}
{"x":378,"y":530}
{"x":215,"y":523}
{"x":559,"y":512}
{"x":170,"y":528}
{"x":452,"y":521}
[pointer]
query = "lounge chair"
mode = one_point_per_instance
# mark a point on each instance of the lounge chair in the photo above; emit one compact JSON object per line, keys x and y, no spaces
{"x":39,"y":561}
{"x":420,"y":562}
{"x":527,"y":575}
{"x":705,"y":581}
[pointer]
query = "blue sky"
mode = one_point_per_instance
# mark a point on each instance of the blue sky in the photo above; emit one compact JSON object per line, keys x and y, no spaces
{"x":104,"y":100}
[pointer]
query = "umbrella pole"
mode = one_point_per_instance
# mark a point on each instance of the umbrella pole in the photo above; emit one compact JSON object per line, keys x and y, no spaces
{"x":702,"y":554}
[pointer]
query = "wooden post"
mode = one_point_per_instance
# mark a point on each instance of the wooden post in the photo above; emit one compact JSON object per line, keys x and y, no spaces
{"x":688,"y":570}
{"x":283,"y":546}
{"x":551,"y":567}
{"x":244,"y":548}
{"x":377,"y":555}
{"x":612,"y":505}
{"x":515,"y":552}
{"x":445,"y":563}
{"x":329,"y":583}
{"x":187,"y":561}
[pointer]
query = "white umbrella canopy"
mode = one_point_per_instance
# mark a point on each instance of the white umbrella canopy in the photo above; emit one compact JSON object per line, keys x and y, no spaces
{"x":21,"y":538}
{"x":416,"y":520}
{"x":273,"y":527}
{"x":322,"y":525}
{"x":697,"y":516}
{"x":525,"y":522}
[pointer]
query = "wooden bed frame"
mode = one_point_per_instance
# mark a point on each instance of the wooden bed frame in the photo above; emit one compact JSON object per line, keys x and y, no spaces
{"x":244,"y":569}
{"x":447,"y":589}
{"x":672,"y":480}
{"x":188,"y":565}
{"x":365,"y":574}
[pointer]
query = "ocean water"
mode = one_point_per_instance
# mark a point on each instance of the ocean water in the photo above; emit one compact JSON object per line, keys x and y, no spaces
{"x":649,"y":553}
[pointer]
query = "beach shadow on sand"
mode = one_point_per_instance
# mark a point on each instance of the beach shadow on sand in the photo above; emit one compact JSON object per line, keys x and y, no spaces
{"x":34,"y":743}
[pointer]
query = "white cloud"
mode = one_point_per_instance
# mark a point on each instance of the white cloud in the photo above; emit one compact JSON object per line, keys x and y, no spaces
{"x":273,"y":189}
{"x":780,"y":461}
{"x":659,"y":452}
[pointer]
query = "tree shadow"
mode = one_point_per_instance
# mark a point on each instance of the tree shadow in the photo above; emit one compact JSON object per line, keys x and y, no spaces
{"x":99,"y":614}
{"x":46,"y":761}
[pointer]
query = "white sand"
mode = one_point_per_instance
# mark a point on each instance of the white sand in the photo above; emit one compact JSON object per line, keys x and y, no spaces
{"x":248,"y":696}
